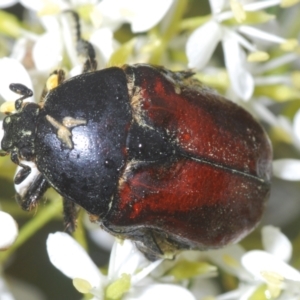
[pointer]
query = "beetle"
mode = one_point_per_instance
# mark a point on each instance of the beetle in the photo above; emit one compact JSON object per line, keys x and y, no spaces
{"x":152,"y":155}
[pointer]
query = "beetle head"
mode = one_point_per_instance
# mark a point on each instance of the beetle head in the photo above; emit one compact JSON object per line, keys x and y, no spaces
{"x":19,"y":131}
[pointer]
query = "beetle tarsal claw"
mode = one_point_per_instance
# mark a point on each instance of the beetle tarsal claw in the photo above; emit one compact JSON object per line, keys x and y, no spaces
{"x":63,"y":133}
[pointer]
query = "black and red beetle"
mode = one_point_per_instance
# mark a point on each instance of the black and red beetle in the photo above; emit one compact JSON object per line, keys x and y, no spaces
{"x":152,"y":155}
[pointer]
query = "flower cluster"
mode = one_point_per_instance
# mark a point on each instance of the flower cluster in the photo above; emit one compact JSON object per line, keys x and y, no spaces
{"x":262,"y":274}
{"x":247,"y":49}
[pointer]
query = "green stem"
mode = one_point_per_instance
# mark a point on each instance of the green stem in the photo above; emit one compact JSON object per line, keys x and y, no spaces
{"x":169,"y":32}
{"x":79,"y":233}
{"x":31,"y":227}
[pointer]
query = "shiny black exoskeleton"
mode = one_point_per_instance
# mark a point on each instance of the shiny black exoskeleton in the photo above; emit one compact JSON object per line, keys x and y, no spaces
{"x":151,"y":154}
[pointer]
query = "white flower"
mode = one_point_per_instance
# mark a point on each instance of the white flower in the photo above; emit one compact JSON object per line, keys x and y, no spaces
{"x":127,"y":271}
{"x":10,"y":233}
{"x":106,"y":17}
{"x":12,"y":71}
{"x":289,"y":168}
{"x":141,"y":15}
{"x":257,"y":267}
{"x":4,"y":291}
{"x":203,"y":41}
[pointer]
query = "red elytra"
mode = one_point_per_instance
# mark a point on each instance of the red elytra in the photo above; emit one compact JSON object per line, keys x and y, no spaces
{"x":214,"y":191}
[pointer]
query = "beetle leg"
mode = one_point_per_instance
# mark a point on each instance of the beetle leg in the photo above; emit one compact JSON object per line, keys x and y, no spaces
{"x":146,"y":240}
{"x":33,"y":193}
{"x":83,"y":47}
{"x":24,"y":172}
{"x":63,"y":133}
{"x":54,"y":80}
{"x":148,"y":246}
{"x":70,"y":215}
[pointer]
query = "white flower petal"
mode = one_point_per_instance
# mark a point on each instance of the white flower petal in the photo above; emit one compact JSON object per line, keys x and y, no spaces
{"x":159,"y":292}
{"x":35,"y":5}
{"x":229,"y":259}
{"x":243,"y":292}
{"x":108,"y":14}
{"x":259,"y":5}
{"x":51,"y":24}
{"x":124,"y":258}
{"x":145,"y":271}
{"x":102,"y":40}
{"x":202,"y":287}
{"x":217,"y":5}
{"x":4,"y":292}
{"x":276,"y":243}
{"x":7,"y":3}
{"x":102,"y":238}
{"x":19,"y":49}
{"x":9,"y":235}
{"x":296,"y":125}
{"x":38,"y":5}
{"x":72,"y":260}
{"x":287,"y":169}
{"x":75,"y":71}
{"x":143,"y":15}
{"x":261,"y":111}
{"x":260,"y":34}
{"x":202,"y":43}
{"x":47,"y":52}
{"x":257,"y":262}
{"x":12,"y":72}
{"x":241,"y":80}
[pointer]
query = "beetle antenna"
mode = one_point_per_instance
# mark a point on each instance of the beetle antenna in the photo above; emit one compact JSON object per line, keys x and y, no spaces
{"x":83,"y":47}
{"x":22,"y":90}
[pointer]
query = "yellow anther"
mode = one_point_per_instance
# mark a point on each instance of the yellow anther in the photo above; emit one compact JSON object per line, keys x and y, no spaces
{"x":238,"y":10}
{"x":289,"y":45}
{"x":81,"y":285}
{"x":8,"y":107}
{"x":52,"y":82}
{"x":258,"y":56}
{"x":230,"y":261}
{"x":274,"y":282}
